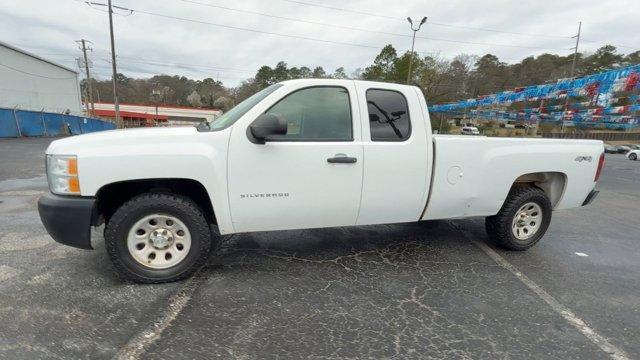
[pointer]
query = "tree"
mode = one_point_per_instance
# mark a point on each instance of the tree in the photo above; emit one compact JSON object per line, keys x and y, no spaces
{"x":194,"y":99}
{"x":340,"y":74}
{"x":633,"y":58}
{"x":246,"y":89}
{"x":209,"y":89}
{"x":264,"y":77}
{"x":441,"y":80}
{"x":319,"y":73}
{"x":430,"y":75}
{"x":384,"y":66}
{"x":604,"y":58}
{"x":280,"y":72}
{"x":489,"y":76}
{"x":401,"y":68}
{"x":223,"y":103}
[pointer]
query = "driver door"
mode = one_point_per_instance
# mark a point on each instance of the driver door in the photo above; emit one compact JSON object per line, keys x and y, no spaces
{"x":292,"y":181}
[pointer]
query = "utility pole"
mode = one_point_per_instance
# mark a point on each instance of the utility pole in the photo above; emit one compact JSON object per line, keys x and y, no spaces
{"x":113,"y":53}
{"x":575,"y":50}
{"x":573,"y":69}
{"x":113,"y":66}
{"x":413,"y":42}
{"x":86,"y":67}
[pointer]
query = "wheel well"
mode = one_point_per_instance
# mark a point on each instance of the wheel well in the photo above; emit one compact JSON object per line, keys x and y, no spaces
{"x":110,"y":197}
{"x":552,"y":183}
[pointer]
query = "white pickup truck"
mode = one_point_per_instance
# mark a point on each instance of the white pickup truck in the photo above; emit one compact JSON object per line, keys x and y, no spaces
{"x":302,"y":154}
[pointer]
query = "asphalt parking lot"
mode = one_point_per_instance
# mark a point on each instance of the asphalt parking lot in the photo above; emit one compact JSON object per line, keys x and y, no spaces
{"x":420,"y":290}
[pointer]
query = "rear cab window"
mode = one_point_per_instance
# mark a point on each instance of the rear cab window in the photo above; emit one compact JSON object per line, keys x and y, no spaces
{"x":388,"y":115}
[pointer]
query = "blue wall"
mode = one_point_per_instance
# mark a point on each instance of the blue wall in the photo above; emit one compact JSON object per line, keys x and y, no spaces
{"x":15,"y":123}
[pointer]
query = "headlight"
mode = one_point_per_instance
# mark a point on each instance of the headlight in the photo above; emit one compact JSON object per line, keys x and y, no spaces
{"x":62,"y":174}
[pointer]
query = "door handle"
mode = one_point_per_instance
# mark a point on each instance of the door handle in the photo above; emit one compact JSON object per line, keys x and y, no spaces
{"x":342,"y":159}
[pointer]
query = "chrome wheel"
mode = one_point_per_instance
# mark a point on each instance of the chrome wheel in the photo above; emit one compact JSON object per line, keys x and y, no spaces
{"x":527,"y":221}
{"x":159,"y":241}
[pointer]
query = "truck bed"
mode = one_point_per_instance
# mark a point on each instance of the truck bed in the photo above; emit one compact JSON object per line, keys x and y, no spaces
{"x":473,"y":174}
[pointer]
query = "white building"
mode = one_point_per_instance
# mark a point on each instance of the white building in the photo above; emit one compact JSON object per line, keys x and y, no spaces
{"x":29,"y":82}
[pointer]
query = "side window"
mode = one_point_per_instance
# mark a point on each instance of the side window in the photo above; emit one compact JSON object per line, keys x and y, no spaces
{"x":315,"y":114}
{"x":388,"y":115}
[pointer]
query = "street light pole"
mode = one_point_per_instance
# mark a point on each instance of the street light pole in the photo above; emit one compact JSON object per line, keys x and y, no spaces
{"x":413,"y":42}
{"x":113,"y":66}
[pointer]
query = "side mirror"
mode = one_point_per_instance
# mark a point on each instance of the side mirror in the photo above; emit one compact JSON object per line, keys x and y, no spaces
{"x":266,"y":125}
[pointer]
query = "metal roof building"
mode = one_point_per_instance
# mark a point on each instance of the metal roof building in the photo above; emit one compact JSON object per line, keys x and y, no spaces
{"x":29,"y":82}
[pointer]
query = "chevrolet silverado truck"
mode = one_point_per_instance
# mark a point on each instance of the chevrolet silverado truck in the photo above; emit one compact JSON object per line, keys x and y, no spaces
{"x":301,"y":154}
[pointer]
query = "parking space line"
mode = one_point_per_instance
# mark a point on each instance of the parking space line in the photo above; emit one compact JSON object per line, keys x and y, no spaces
{"x":137,"y":346}
{"x":569,"y":316}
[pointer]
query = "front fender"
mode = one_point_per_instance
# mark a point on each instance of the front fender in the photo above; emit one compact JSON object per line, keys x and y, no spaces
{"x":196,"y":156}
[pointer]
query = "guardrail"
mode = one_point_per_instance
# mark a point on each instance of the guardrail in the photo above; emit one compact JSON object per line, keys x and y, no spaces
{"x":604,"y":136}
{"x":18,"y":123}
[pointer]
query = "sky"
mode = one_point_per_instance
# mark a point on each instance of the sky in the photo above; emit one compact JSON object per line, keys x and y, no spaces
{"x":229,"y":40}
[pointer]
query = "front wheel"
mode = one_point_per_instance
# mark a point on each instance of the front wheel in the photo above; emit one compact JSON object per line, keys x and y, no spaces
{"x":522,"y":221}
{"x":155,"y":238}
{"x":633,"y":156}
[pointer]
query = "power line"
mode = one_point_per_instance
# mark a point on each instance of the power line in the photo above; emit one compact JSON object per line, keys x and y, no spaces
{"x":365,"y":30}
{"x":173,"y":65}
{"x":490,"y":44}
{"x":254,"y":30}
{"x":604,"y":43}
{"x":300,"y":37}
{"x":294,"y":19}
{"x":209,"y":67}
{"x":430,"y":23}
{"x":341,"y":9}
{"x":130,"y":59}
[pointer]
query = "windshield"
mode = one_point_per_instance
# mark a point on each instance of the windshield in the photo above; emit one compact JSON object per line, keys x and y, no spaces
{"x":227,"y":119}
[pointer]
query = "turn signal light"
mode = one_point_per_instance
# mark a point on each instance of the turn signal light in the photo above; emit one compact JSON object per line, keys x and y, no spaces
{"x":62,"y":174}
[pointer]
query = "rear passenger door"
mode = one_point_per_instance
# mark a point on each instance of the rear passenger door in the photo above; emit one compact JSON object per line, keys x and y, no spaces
{"x":397,"y":153}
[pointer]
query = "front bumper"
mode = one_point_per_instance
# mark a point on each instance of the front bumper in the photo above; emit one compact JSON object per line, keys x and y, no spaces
{"x":592,"y":195}
{"x":68,"y":219}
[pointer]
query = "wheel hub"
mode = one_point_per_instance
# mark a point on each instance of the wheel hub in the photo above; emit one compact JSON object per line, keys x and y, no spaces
{"x":161,"y":238}
{"x":159,"y":241}
{"x":527,"y":221}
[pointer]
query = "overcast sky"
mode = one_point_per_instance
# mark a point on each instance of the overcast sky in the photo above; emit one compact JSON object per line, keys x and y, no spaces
{"x":162,"y":44}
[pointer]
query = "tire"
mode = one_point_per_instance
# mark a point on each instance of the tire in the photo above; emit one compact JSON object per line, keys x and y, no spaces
{"x":505,"y":231}
{"x":164,"y":223}
{"x":633,"y":156}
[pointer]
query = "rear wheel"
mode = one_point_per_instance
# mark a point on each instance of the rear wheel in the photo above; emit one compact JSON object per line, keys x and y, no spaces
{"x":633,"y":156}
{"x":522,"y":221}
{"x":156,"y":238}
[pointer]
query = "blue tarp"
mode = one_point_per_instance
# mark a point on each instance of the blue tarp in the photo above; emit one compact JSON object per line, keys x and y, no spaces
{"x":15,"y":123}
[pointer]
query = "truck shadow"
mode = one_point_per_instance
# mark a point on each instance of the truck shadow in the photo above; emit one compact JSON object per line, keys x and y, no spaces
{"x":428,"y":241}
{"x":418,"y":244}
